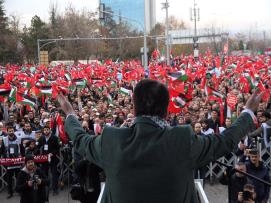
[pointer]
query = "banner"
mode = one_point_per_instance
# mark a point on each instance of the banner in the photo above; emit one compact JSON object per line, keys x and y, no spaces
{"x":20,"y":160}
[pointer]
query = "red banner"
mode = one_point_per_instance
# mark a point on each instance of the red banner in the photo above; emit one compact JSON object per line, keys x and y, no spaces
{"x":20,"y":160}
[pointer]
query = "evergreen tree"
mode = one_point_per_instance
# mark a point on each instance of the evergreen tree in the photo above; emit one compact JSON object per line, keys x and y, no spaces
{"x":3,"y":18}
{"x":6,"y":41}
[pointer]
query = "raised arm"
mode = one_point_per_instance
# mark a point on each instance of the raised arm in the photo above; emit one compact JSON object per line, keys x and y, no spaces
{"x":84,"y":144}
{"x":209,"y":148}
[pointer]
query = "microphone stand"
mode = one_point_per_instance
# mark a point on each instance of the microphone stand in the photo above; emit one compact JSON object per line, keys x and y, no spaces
{"x":231,"y":170}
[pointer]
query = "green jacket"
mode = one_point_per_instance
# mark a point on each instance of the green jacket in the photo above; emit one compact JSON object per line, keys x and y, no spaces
{"x":148,"y":164}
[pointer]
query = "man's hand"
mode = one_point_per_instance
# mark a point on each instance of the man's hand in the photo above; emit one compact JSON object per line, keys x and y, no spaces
{"x":240,"y":197}
{"x":65,"y":104}
{"x":39,"y":181}
{"x":254,"y":100}
{"x":242,"y":146}
{"x":30,"y":183}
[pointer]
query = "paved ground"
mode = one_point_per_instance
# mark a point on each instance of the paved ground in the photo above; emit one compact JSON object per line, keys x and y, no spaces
{"x":216,"y":194}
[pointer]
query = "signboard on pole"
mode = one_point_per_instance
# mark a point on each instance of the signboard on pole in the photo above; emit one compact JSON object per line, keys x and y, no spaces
{"x":44,"y":59}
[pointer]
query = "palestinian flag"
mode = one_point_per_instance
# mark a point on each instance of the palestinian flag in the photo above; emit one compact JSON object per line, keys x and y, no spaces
{"x":25,"y":84}
{"x":97,"y":82}
{"x":12,"y":94}
{"x":252,"y":82}
{"x":211,"y":91}
{"x":47,"y":90}
{"x":68,"y":77}
{"x":109,"y":98}
{"x":178,"y":76}
{"x":125,"y":91}
{"x":179,"y":101}
{"x":5,"y":89}
{"x":25,"y":99}
{"x":80,"y":83}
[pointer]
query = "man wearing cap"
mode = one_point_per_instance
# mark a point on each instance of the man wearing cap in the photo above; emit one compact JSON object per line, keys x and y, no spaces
{"x":151,"y":161}
{"x":255,"y":167}
{"x":31,"y":182}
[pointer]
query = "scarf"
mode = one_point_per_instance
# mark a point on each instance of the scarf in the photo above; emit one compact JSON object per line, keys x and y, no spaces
{"x":162,"y":123}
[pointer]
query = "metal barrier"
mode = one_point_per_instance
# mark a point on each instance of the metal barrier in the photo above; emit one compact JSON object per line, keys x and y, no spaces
{"x":65,"y":166}
{"x":200,"y":191}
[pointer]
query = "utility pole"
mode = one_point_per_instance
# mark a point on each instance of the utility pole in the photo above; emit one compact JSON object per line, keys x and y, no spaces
{"x":38,"y":42}
{"x":165,"y":6}
{"x":194,"y":15}
{"x":145,"y":41}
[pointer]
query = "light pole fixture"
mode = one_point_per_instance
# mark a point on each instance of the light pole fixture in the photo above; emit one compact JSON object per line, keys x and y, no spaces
{"x":194,"y":15}
{"x":165,"y":6}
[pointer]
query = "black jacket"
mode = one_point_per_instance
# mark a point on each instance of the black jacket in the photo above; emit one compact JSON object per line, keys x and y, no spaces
{"x":53,"y":146}
{"x":29,"y":194}
{"x":236,"y":185}
{"x":262,"y":191}
{"x":139,"y":160}
{"x":2,"y":150}
{"x":88,"y":177}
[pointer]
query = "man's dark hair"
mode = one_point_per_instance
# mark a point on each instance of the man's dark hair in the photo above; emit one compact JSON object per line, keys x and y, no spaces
{"x":151,"y":98}
{"x":249,"y":186}
{"x":266,"y":114}
{"x":9,"y":127}
{"x":240,"y":163}
{"x":46,"y":127}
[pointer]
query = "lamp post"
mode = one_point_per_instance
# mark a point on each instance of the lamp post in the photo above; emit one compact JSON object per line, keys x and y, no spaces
{"x":145,"y":41}
{"x":195,"y":18}
{"x":165,"y":6}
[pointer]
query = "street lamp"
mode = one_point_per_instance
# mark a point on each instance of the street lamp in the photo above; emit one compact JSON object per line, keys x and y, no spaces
{"x":195,"y":18}
{"x":165,"y":6}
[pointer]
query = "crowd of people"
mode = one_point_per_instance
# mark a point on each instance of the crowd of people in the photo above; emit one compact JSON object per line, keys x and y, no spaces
{"x":101,"y":95}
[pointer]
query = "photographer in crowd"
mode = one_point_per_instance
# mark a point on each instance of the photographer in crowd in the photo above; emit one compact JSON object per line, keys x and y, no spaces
{"x":235,"y":180}
{"x":31,"y":182}
{"x":256,"y":168}
{"x":248,"y":194}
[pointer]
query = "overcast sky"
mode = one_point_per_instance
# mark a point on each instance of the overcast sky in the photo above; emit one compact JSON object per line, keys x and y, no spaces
{"x":230,"y":14}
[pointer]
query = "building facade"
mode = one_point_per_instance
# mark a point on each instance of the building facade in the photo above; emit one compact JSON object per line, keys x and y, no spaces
{"x":134,"y":10}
